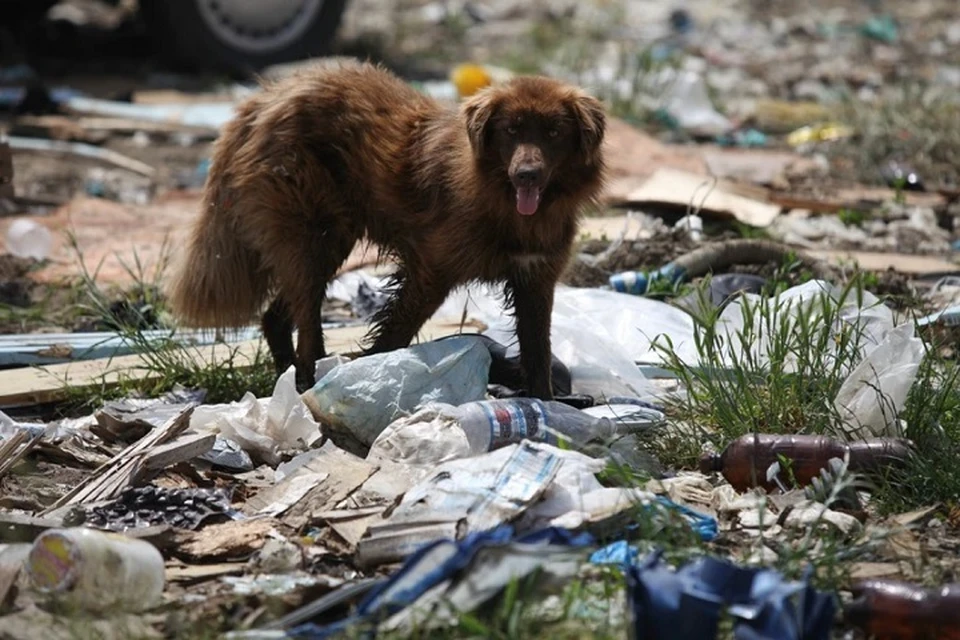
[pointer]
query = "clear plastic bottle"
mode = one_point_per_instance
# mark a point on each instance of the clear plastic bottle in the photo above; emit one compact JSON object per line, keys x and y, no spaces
{"x":96,"y":570}
{"x":491,"y":424}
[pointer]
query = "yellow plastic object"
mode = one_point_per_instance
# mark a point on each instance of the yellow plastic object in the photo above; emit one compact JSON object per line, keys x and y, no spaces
{"x":781,"y":116}
{"x":469,"y":78}
{"x":818,"y":133}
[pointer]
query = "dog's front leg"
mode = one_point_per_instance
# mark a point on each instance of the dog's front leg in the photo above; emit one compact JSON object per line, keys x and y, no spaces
{"x":532,"y":296}
{"x":417,"y":297}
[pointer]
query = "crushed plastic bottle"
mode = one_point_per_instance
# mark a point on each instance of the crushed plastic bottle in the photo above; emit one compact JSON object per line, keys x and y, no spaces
{"x":807,"y":456}
{"x":891,"y":609}
{"x":96,"y":570}
{"x":29,"y":239}
{"x":439,"y":432}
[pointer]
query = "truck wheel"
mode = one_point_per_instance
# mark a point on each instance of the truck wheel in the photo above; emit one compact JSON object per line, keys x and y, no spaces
{"x":241,"y":36}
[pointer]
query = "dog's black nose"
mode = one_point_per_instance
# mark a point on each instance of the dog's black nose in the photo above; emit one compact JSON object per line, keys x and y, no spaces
{"x":528,"y":176}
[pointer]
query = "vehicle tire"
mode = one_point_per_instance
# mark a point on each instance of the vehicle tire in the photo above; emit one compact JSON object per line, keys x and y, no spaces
{"x":241,"y":36}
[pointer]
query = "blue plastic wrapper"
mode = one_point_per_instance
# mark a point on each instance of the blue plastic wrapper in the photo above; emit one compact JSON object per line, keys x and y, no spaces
{"x":687,"y":603}
{"x":705,"y":526}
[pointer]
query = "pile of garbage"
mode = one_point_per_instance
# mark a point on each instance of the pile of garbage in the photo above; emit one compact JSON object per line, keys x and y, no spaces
{"x":419,"y":484}
{"x":415,"y":490}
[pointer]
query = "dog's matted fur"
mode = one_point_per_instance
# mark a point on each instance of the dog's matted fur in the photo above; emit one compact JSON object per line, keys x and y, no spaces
{"x":316,"y":162}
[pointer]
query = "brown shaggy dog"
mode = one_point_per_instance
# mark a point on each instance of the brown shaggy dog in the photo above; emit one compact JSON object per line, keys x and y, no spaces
{"x":314,"y":163}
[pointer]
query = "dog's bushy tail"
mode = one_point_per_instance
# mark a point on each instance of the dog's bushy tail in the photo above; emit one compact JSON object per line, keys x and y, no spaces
{"x":218,"y":281}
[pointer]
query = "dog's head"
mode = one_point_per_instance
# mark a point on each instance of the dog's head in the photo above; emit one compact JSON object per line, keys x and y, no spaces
{"x":530,"y":127}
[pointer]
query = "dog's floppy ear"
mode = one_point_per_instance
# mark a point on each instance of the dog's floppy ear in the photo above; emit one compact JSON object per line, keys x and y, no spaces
{"x":476,"y":112}
{"x":592,"y":122}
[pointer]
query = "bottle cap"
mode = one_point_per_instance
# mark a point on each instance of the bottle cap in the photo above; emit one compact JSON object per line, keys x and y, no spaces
{"x":709,"y":462}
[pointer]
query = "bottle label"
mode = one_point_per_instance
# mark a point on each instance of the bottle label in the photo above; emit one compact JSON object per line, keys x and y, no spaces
{"x":514,"y":420}
{"x":53,"y":563}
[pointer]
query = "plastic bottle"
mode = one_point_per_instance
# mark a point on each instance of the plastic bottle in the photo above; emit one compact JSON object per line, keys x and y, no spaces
{"x":891,"y":609}
{"x":807,"y":455}
{"x":491,"y":424}
{"x":442,"y":431}
{"x":96,"y":570}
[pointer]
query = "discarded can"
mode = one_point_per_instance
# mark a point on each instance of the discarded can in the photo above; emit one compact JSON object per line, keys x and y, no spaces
{"x":807,"y":456}
{"x":637,"y":282}
{"x":96,"y":570}
{"x":887,"y":609}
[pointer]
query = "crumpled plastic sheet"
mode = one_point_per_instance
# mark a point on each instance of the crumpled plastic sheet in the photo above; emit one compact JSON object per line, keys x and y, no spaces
{"x":597,"y":334}
{"x":875,"y":392}
{"x":431,"y":565}
{"x":365,"y":395}
{"x":264,"y":427}
{"x":687,"y":603}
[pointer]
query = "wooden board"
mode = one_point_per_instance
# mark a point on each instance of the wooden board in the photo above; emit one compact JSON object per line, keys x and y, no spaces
{"x":48,"y":384}
{"x":878,"y":261}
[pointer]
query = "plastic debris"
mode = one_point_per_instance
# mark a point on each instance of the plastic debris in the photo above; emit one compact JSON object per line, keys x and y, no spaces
{"x":882,"y":28}
{"x":263,"y":427}
{"x":638,"y":282}
{"x":96,"y":570}
{"x":688,"y":602}
{"x":875,"y":392}
{"x":457,"y":569}
{"x":440,"y":432}
{"x":363,"y":396}
{"x":686,"y":101}
{"x":29,"y":239}
{"x":506,"y":372}
{"x":747,"y":138}
{"x":469,"y":78}
{"x":744,"y":462}
{"x":818,"y":133}
{"x":532,"y":485}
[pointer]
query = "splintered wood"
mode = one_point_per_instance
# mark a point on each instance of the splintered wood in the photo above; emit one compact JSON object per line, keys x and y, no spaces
{"x":126,"y":467}
{"x":14,"y":449}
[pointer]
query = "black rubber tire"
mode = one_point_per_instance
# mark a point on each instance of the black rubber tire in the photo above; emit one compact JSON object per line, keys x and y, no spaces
{"x":185,"y":42}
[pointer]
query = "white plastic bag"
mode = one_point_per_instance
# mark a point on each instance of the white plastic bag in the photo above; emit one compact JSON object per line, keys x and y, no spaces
{"x":875,"y":391}
{"x":365,"y":395}
{"x":264,"y":427}
{"x":599,"y":335}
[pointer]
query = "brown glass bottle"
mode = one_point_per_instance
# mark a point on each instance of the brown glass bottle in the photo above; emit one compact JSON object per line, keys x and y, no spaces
{"x":808,"y":455}
{"x":890,"y":610}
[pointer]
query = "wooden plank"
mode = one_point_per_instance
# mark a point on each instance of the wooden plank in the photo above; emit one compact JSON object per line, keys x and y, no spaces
{"x":83,"y":150}
{"x":49,"y":384}
{"x":9,"y":453}
{"x":183,"y":449}
{"x":879,"y":261}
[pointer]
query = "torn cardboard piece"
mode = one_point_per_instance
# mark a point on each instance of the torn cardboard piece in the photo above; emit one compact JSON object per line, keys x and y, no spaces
{"x":702,"y":195}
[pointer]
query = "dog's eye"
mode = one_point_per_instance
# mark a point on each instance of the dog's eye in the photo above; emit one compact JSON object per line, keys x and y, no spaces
{"x":553,"y":133}
{"x":512,"y":131}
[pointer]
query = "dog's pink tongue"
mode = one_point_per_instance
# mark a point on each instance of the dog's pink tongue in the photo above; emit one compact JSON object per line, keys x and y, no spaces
{"x":528,"y":198}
